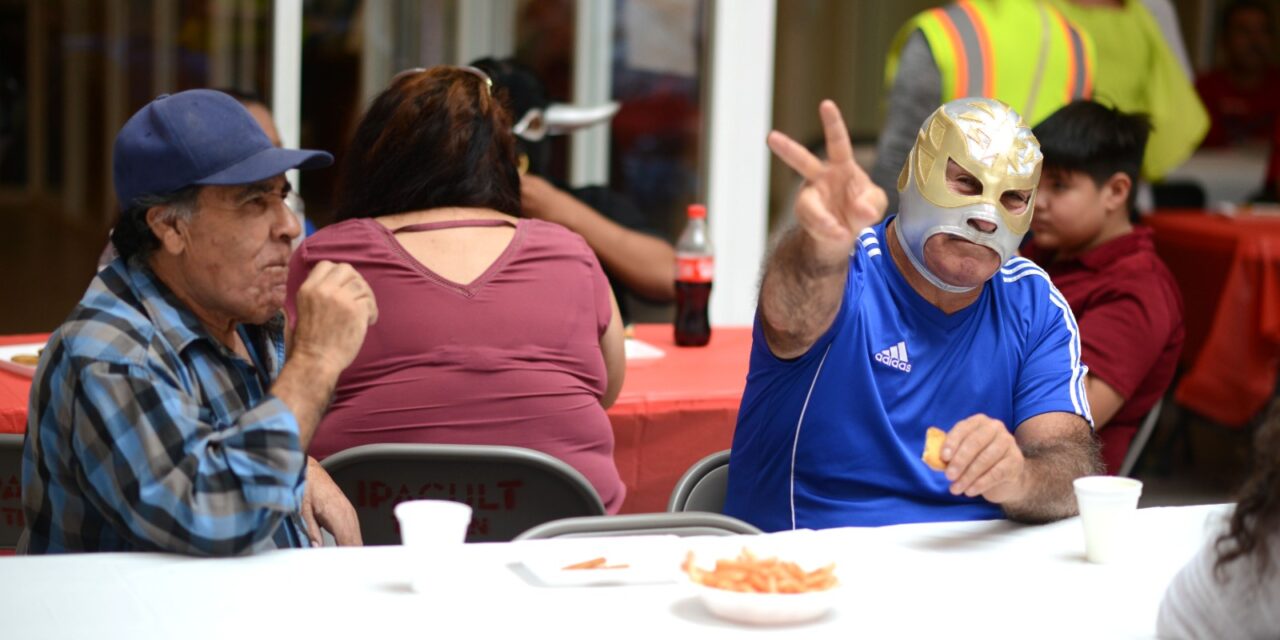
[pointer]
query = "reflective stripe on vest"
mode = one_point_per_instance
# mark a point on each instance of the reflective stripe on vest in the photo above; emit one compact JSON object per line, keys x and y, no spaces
{"x":975,"y":75}
{"x":975,"y":70}
{"x":968,"y":50}
{"x":1080,"y":84}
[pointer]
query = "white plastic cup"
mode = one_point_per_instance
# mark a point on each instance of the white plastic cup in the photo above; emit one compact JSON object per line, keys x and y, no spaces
{"x":431,"y":531}
{"x":1107,"y":504}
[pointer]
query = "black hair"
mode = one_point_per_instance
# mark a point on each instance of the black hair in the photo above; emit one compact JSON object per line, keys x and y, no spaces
{"x":1095,"y":140}
{"x":522,"y":92}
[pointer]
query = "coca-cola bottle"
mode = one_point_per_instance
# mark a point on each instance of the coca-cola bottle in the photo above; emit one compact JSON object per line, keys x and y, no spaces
{"x":695,"y":267}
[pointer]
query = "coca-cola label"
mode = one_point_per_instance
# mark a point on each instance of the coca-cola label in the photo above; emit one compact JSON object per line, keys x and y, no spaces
{"x":695,"y":268}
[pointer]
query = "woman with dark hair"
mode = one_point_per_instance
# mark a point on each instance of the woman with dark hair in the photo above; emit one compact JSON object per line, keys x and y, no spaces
{"x":1231,"y":589}
{"x":495,"y":329}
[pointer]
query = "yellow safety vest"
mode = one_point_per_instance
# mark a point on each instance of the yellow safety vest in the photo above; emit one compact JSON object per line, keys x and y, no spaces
{"x":1141,"y":75}
{"x":1022,"y":52}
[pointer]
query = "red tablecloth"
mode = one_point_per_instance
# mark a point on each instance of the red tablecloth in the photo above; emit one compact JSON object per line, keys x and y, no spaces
{"x":13,"y":419}
{"x":672,"y":410}
{"x":14,"y":388}
{"x":675,"y":410}
{"x":1229,"y":273}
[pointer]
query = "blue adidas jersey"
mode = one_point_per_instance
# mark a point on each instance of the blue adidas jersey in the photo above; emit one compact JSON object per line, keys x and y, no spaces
{"x":833,"y":438}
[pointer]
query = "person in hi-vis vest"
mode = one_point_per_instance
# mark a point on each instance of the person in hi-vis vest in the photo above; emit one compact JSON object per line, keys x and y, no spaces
{"x":1021,"y":52}
{"x":1139,"y":71}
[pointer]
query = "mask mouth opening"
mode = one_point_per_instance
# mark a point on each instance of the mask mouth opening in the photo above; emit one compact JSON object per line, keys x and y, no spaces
{"x":915,"y":255}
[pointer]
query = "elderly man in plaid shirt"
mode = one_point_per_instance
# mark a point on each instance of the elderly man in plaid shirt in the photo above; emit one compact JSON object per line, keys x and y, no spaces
{"x":163,"y":416}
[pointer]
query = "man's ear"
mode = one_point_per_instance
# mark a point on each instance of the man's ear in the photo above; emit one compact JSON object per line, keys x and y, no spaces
{"x":168,"y":229}
{"x":1115,"y":192}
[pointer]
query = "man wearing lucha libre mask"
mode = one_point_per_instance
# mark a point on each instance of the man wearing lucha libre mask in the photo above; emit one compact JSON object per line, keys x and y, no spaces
{"x":868,"y":333}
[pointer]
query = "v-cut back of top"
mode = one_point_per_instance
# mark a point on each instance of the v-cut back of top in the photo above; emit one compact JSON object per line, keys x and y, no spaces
{"x":469,"y":289}
{"x":453,"y":224}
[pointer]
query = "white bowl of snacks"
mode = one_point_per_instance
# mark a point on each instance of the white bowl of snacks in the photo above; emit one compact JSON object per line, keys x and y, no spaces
{"x":763,"y":590}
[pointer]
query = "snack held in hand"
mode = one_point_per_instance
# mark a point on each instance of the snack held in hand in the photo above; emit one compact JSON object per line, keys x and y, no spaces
{"x":933,"y":439}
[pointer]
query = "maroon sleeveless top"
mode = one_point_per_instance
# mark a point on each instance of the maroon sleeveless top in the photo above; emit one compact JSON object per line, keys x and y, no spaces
{"x":512,"y":358}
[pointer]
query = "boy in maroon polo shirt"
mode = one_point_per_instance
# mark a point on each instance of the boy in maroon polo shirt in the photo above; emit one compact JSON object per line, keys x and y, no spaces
{"x":1124,"y":298}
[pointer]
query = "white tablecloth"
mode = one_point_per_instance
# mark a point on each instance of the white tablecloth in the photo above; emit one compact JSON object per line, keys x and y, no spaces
{"x":959,"y":580}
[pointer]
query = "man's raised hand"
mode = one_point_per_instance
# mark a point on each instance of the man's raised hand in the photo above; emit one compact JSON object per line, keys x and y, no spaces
{"x":838,"y":199}
{"x":335,"y":308}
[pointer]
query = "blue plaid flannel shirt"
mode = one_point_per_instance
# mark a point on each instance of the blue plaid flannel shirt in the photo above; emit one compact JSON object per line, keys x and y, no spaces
{"x":146,"y":434}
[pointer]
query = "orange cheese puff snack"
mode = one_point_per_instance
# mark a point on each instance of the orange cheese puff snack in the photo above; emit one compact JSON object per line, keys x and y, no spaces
{"x":933,"y":439}
{"x":594,"y":563}
{"x":750,"y":574}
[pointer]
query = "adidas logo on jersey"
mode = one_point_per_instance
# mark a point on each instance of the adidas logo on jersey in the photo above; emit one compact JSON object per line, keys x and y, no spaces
{"x":896,"y":357}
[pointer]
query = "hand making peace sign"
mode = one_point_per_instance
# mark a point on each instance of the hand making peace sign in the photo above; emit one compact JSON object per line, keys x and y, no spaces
{"x":838,"y":199}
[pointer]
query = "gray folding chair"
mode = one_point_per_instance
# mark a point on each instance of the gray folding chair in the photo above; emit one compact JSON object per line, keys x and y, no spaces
{"x":510,"y":489}
{"x":641,"y":524}
{"x":1140,"y":439}
{"x":11,"y":516}
{"x":703,"y":486}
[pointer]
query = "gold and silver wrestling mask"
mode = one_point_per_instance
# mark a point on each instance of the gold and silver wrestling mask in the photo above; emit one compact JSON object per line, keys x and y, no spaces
{"x":989,"y":140}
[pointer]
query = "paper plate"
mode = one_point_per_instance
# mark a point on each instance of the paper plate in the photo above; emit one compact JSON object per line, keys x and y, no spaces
{"x":7,"y":353}
{"x":624,"y":560}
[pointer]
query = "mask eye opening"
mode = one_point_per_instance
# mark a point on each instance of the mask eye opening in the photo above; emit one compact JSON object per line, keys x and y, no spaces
{"x":960,"y":181}
{"x":1015,"y":202}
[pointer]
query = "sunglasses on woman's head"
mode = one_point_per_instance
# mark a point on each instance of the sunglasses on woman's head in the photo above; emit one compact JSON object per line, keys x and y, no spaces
{"x":488,"y":82}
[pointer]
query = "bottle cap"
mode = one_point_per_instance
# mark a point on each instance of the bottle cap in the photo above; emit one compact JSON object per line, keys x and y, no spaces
{"x":697,"y":211}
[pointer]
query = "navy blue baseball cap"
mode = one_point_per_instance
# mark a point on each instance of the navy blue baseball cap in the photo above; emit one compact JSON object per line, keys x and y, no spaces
{"x":197,"y":137}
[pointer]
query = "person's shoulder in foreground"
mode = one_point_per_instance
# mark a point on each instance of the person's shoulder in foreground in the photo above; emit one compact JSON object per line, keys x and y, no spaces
{"x":162,"y":415}
{"x":1126,"y":300}
{"x":865,"y":337}
{"x":1231,"y":588}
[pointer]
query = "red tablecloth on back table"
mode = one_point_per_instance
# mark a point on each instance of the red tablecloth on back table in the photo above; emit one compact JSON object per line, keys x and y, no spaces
{"x":14,"y":388}
{"x":1229,"y":272}
{"x":675,"y":410}
{"x":672,"y":410}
